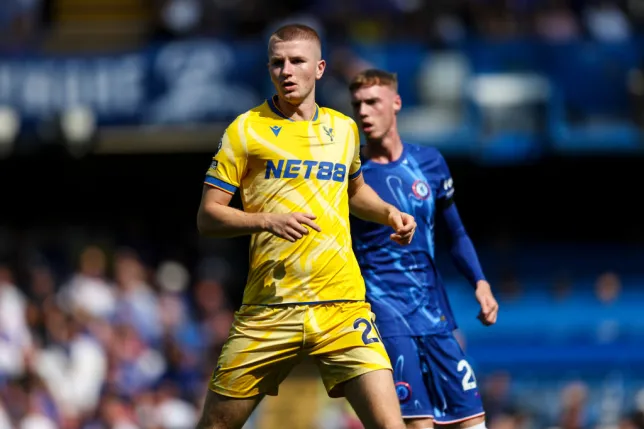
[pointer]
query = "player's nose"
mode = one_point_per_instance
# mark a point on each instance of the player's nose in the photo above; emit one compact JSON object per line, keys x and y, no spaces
{"x":287,"y":70}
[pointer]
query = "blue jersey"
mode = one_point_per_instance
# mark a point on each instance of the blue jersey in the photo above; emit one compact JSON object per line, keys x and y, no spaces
{"x":403,"y":285}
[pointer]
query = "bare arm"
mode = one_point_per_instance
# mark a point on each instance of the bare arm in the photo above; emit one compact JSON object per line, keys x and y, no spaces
{"x":216,"y":219}
{"x":365,"y":204}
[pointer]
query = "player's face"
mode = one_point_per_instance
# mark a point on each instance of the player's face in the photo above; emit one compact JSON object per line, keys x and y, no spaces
{"x":375,"y":108}
{"x":294,"y":67}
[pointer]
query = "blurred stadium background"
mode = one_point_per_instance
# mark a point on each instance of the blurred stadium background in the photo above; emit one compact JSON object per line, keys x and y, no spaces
{"x":113,"y":310}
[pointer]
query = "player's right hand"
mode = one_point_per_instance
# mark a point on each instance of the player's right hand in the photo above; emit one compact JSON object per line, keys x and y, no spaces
{"x":489,"y":306}
{"x":291,"y":226}
{"x":404,"y":224}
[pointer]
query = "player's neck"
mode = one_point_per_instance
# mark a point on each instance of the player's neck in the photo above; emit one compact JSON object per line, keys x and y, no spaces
{"x":303,"y":111}
{"x":385,"y":150}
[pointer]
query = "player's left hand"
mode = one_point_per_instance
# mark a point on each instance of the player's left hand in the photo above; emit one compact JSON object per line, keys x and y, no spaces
{"x":489,"y":306}
{"x":404,"y":224}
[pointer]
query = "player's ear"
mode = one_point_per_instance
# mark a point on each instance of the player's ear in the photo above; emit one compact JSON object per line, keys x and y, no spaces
{"x":397,"y":103}
{"x":320,"y":69}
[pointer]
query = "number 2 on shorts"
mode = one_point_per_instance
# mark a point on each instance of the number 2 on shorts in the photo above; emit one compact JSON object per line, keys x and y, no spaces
{"x":365,"y":334}
{"x":469,"y":381}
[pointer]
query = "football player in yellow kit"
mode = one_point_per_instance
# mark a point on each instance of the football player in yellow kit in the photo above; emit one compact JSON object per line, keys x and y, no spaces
{"x":297,"y":166}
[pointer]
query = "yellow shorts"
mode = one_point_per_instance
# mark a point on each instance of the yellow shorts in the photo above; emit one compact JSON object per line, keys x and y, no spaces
{"x":265,"y":343}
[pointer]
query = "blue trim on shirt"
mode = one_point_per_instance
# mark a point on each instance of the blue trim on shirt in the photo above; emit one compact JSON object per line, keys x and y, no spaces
{"x":284,"y":304}
{"x":271,"y":104}
{"x":221,"y":184}
{"x":356,"y":174}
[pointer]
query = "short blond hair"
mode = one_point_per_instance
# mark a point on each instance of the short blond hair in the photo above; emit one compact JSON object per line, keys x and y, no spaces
{"x":372,"y":77}
{"x":290,"y":32}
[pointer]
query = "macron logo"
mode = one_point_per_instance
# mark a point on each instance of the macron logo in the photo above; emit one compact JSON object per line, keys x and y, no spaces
{"x":276,"y":129}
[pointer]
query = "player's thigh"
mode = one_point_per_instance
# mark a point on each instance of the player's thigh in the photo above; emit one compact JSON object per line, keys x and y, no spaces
{"x":221,"y":412}
{"x":373,"y":398}
{"x":410,"y":375}
{"x":452,"y":381}
{"x":345,"y":343}
{"x":263,"y":346}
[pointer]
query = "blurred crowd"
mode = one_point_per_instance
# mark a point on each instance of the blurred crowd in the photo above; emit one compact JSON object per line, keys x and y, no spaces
{"x":119,"y":348}
{"x":436,"y":22}
{"x":124,"y":344}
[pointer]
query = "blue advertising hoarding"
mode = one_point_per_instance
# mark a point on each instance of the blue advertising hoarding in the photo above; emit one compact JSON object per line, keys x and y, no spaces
{"x":210,"y":81}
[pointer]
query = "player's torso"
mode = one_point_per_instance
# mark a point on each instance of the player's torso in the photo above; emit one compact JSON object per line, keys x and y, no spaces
{"x":296,"y":165}
{"x":303,"y":167}
{"x":409,"y":184}
{"x":403,"y":285}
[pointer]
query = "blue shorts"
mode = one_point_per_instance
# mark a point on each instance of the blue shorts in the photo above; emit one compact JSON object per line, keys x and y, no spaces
{"x":433,"y":378}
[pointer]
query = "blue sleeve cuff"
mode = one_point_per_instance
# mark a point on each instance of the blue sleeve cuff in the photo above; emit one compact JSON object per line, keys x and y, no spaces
{"x":356,"y":174}
{"x":227,"y":187}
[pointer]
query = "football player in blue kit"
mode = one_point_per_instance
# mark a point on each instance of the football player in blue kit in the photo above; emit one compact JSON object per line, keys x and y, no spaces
{"x":434,"y":381}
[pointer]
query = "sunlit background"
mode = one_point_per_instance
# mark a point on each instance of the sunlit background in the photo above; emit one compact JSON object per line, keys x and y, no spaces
{"x":112,"y":308}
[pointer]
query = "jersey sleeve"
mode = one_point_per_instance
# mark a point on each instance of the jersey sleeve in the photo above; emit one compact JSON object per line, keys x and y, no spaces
{"x":445,"y":190}
{"x":356,"y":164}
{"x":229,"y":161}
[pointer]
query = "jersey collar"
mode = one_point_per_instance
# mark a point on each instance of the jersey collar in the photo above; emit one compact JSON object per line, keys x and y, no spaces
{"x":272,"y":104}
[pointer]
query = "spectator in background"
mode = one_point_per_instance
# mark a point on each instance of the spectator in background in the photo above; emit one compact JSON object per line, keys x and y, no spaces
{"x":179,"y":18}
{"x":134,"y":366}
{"x":556,"y":22}
{"x":15,"y":337}
{"x":20,"y":23}
{"x":574,"y":412}
{"x":635,"y":85}
{"x":136,"y":302}
{"x":494,"y":21}
{"x":606,"y":22}
{"x":608,"y":288}
{"x":497,"y":397}
{"x":562,"y":287}
{"x":214,"y":315}
{"x":73,"y":366}
{"x":171,"y":411}
{"x":42,"y":302}
{"x":88,"y":291}
{"x":5,"y":422}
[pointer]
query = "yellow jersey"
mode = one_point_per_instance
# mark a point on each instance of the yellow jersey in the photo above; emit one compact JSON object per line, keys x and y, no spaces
{"x":286,"y":166}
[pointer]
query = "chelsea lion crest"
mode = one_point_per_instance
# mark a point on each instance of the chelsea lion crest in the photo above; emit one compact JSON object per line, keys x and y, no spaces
{"x":421,"y":189}
{"x":403,"y":390}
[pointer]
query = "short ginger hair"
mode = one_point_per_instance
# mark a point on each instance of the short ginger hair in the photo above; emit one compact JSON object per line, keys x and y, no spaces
{"x":372,"y":77}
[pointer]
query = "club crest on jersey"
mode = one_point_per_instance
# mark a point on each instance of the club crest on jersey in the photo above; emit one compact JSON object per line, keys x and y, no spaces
{"x":328,"y":131}
{"x":214,"y":164}
{"x":403,"y":390}
{"x":421,"y":189}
